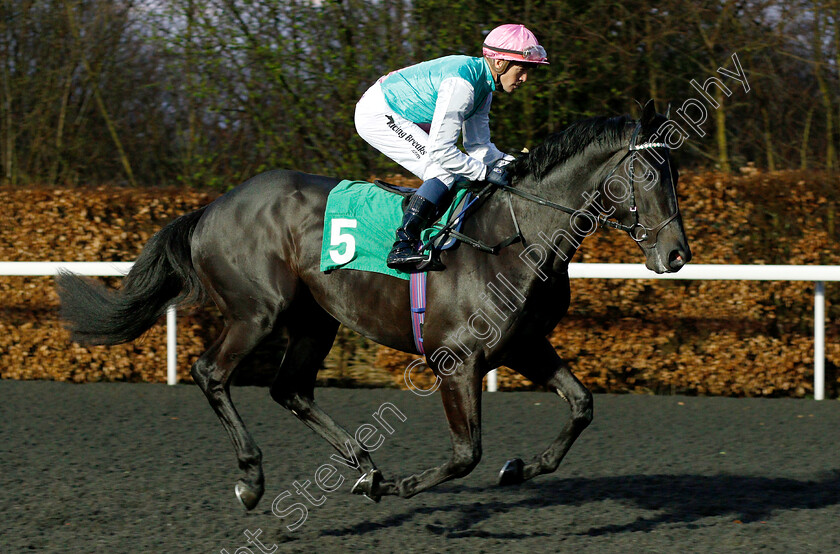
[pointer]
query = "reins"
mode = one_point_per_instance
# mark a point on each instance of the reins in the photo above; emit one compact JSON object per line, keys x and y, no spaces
{"x":637,"y":231}
{"x":481,"y":196}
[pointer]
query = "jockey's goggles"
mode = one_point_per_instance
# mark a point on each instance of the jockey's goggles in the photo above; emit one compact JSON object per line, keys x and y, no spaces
{"x":531,"y":54}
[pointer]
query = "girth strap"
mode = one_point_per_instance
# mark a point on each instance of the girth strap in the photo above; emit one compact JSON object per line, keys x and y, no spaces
{"x":417,"y":290}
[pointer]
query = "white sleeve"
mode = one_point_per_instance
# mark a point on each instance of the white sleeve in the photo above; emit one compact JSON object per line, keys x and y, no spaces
{"x":455,"y":100}
{"x":477,"y":136}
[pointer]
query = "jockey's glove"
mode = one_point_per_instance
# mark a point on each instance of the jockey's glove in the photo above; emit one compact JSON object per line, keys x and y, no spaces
{"x":497,"y":176}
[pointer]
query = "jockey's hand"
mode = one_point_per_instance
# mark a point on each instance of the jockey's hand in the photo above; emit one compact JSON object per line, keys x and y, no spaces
{"x":497,"y":176}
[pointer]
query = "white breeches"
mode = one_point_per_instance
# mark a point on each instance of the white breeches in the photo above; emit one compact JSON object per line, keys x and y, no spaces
{"x":396,"y":137}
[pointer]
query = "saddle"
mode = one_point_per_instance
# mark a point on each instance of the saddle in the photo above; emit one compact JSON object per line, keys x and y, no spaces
{"x":405,"y":192}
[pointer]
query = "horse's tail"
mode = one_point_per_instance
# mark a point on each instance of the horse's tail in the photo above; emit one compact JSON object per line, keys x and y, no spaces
{"x":163,"y":274}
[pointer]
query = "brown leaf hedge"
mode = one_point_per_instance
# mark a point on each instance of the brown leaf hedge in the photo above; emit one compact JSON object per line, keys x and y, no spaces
{"x":738,"y":338}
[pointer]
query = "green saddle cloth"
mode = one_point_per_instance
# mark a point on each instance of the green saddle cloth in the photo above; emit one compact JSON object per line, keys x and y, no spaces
{"x":359,"y":225}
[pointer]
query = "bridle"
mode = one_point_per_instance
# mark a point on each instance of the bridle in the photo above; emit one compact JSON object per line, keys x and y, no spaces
{"x":637,"y":231}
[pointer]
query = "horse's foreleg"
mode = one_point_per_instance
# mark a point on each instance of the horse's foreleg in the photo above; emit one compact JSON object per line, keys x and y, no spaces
{"x":541,"y":364}
{"x":213,"y":372}
{"x":461,"y":395}
{"x":293,"y":388}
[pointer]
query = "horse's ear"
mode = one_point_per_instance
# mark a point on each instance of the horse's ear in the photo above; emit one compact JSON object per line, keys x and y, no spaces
{"x":648,"y":113}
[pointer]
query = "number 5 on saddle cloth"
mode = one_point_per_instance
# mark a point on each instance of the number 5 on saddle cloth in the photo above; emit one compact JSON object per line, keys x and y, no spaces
{"x":359,"y":225}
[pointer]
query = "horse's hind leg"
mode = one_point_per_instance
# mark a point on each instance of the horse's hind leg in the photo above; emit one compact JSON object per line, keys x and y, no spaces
{"x":310,"y":339}
{"x":539,"y":362}
{"x":213,"y":372}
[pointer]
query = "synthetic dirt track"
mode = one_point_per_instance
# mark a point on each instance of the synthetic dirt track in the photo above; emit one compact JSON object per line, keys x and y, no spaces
{"x":148,"y":468}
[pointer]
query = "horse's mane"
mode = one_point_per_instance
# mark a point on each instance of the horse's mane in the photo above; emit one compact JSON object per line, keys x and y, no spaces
{"x":572,"y":140}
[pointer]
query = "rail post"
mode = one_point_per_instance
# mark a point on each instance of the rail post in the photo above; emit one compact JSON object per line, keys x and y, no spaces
{"x":819,"y":340}
{"x":171,"y":342}
{"x":492,"y":381}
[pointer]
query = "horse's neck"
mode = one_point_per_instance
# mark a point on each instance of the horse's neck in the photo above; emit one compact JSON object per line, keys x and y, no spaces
{"x":574,"y":184}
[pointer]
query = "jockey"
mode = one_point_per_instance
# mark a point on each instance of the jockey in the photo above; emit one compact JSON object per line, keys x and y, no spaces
{"x":416,"y":114}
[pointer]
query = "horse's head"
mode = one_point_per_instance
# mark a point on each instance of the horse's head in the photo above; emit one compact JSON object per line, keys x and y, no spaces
{"x":640,"y":193}
{"x":622,"y":171}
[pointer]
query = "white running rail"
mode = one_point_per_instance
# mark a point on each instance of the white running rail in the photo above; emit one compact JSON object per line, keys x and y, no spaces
{"x":99,"y":269}
{"x":819,"y":274}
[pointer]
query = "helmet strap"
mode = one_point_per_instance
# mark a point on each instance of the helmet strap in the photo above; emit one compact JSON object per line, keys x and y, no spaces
{"x":504,"y":69}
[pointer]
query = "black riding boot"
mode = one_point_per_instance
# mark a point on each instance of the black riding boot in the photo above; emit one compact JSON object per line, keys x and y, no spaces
{"x":405,"y":254}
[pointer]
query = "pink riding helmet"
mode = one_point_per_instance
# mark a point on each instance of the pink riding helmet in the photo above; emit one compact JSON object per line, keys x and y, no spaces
{"x":514,"y":43}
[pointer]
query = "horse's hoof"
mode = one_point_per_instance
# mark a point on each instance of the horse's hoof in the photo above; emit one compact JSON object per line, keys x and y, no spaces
{"x":247,"y":496}
{"x":513,"y":472}
{"x":367,"y":483}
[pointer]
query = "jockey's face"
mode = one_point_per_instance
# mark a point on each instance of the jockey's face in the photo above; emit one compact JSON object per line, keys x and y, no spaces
{"x":514,"y":77}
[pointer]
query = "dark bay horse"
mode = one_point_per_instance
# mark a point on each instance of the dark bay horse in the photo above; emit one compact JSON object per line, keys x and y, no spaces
{"x":255,"y":253}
